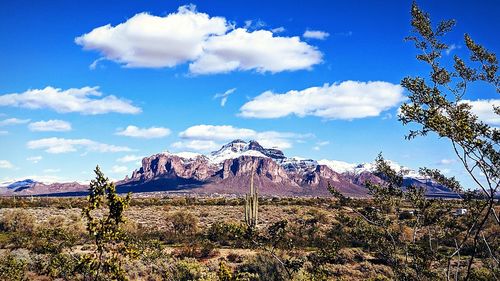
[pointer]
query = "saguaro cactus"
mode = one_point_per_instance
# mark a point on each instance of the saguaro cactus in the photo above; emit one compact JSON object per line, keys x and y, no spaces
{"x":251,"y":204}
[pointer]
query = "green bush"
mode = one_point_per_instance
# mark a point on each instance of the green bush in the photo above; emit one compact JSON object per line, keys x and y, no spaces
{"x":12,"y":268}
{"x":226,"y":234}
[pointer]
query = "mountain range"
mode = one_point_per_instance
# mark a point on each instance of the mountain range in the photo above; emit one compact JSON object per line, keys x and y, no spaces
{"x":229,"y":169}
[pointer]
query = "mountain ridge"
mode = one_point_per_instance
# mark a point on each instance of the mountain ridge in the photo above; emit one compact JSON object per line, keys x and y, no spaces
{"x":228,"y":170}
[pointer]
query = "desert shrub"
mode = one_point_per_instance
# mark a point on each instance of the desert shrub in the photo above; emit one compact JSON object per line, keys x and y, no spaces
{"x":351,"y":255}
{"x":184,"y":224}
{"x":234,"y":258}
{"x":61,"y":265}
{"x":189,"y":270}
{"x":224,"y":273}
{"x":21,"y":226}
{"x":56,"y":235}
{"x":264,"y":267}
{"x":481,"y":274}
{"x":226,"y":233}
{"x":17,"y":220}
{"x":12,"y":268}
{"x":198,"y":250}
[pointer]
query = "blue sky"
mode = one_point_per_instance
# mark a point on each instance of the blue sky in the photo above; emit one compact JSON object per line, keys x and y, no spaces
{"x":161,"y":66}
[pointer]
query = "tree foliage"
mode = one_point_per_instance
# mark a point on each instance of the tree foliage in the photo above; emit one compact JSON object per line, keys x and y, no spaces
{"x":105,"y":218}
{"x":416,"y":235}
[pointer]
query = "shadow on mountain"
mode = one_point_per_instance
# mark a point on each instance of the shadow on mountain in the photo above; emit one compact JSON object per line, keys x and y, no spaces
{"x":159,"y":184}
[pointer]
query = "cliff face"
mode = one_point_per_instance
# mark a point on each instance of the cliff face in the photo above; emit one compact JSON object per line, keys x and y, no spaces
{"x":171,"y":166}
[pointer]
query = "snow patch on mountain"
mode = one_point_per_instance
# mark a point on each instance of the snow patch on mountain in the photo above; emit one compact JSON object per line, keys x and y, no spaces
{"x":338,"y":166}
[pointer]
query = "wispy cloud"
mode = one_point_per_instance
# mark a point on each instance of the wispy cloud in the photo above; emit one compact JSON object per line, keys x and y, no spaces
{"x":13,"y":121}
{"x":278,"y":29}
{"x":86,"y":100}
{"x":4,"y":164}
{"x":145,"y":133}
{"x":61,"y":145}
{"x":50,"y":126}
{"x":116,"y":169}
{"x":316,"y":34}
{"x":224,"y":96}
{"x":451,"y":48}
{"x":319,"y":144}
{"x":197,"y":145}
{"x":446,"y":161}
{"x":207,"y":137}
{"x":129,"y":158}
{"x":34,"y":159}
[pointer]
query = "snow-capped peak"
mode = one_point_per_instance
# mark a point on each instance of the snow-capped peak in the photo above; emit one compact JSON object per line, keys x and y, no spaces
{"x":338,"y":166}
{"x":344,"y":167}
{"x":188,"y":155}
{"x":231,"y":152}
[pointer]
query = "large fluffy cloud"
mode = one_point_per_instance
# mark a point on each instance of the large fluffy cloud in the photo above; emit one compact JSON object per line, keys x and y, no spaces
{"x":50,"y":126}
{"x":210,"y":44}
{"x":86,"y":100}
{"x":211,"y":137}
{"x":150,"y":41}
{"x":347,"y":100}
{"x":259,"y":50}
{"x":484,"y":110}
{"x":61,"y":145}
{"x":145,"y":133}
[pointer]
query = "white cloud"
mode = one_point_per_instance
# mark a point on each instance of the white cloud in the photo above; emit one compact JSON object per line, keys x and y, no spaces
{"x":198,"y":145}
{"x":151,"y":41}
{"x":61,"y":145}
{"x":50,"y":126}
{"x":446,"y":161}
{"x":13,"y":121}
{"x":209,"y":44}
{"x":211,"y":136}
{"x":258,"y":50}
{"x":451,"y":48}
{"x":47,"y":179}
{"x":347,"y":100}
{"x":86,"y":100}
{"x":129,"y":158}
{"x":145,"y":133}
{"x":278,"y":29}
{"x":224,"y":96}
{"x":218,"y":133}
{"x":119,"y":169}
{"x":484,"y":110}
{"x":4,"y":164}
{"x":34,"y":159}
{"x":3,"y":133}
{"x":316,"y":34}
{"x":319,"y":144}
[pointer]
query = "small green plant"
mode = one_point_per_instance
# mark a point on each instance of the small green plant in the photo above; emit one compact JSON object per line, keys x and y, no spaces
{"x":111,"y":246}
{"x":12,"y":268}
